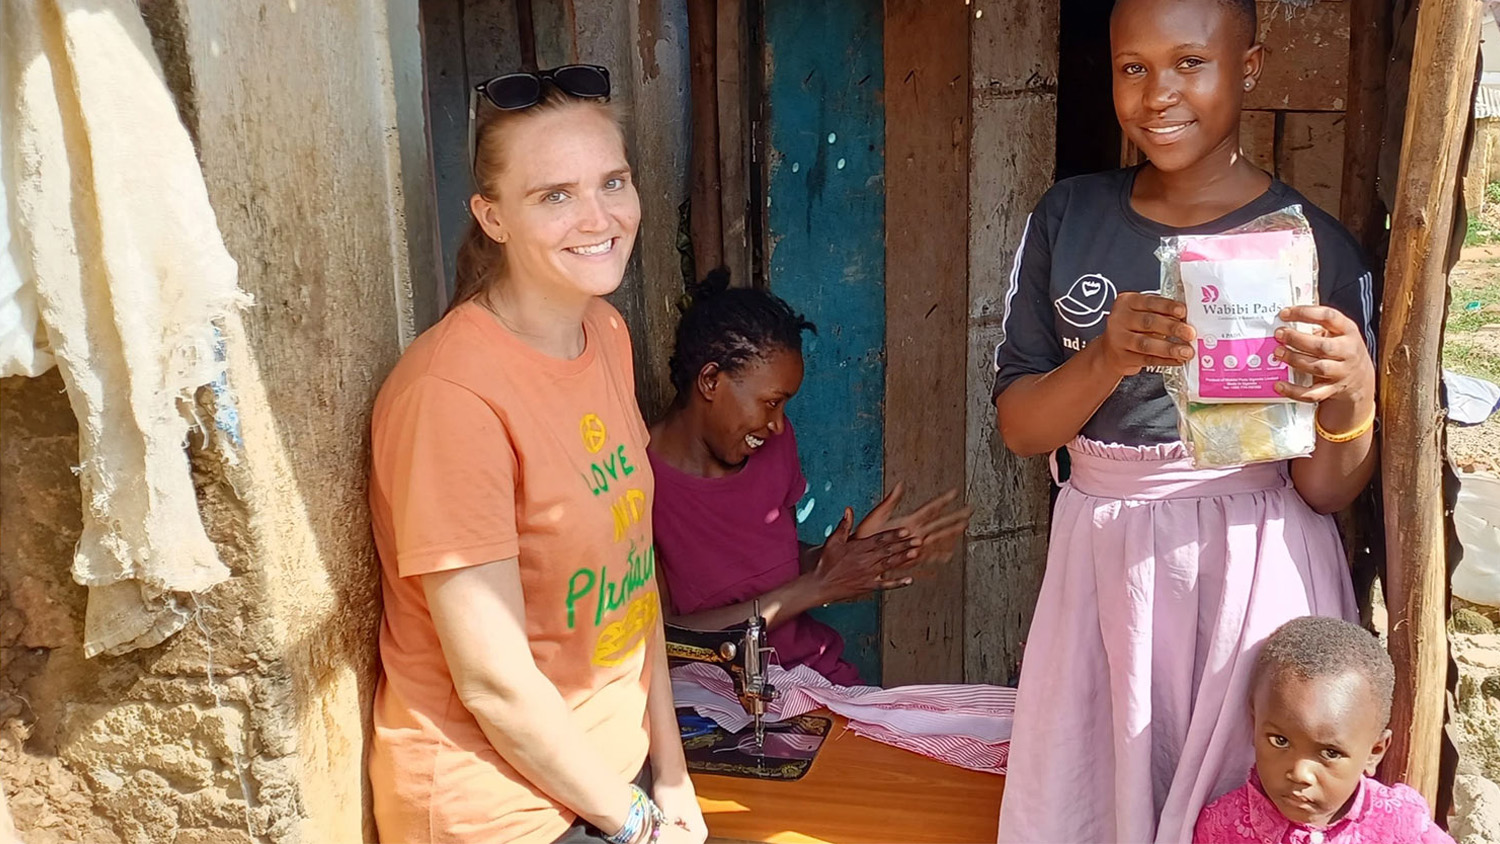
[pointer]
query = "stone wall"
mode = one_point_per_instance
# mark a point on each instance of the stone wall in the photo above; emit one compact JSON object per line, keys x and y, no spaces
{"x":250,"y":724}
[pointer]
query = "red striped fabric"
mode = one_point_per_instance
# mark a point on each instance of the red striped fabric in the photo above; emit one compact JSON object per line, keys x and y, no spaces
{"x":963,"y":725}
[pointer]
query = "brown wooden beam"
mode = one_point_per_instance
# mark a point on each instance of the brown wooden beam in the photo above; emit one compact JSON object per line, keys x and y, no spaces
{"x":1014,"y":62}
{"x":926,"y":279}
{"x":656,"y":118}
{"x":706,"y":223}
{"x":554,"y":27}
{"x":1360,"y":207}
{"x":1437,"y":111}
{"x":526,"y":32}
{"x":734,"y":134}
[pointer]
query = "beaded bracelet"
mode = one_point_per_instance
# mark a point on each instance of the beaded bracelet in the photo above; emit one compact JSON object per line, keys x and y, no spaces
{"x":658,"y":820}
{"x":635,"y":820}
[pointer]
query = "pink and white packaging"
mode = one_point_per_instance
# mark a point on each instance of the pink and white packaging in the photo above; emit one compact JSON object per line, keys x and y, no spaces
{"x":1235,"y":287}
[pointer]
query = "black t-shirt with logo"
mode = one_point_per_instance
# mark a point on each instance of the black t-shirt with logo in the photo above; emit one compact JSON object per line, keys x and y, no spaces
{"x":1084,"y":244}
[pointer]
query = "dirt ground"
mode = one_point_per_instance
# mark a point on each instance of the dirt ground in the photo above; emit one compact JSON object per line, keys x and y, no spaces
{"x":1472,"y":347}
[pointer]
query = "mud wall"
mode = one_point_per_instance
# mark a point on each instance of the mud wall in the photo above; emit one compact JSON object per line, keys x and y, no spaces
{"x":249,"y":725}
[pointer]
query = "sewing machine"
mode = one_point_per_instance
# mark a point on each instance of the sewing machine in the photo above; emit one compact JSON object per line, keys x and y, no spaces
{"x":861,"y":791}
{"x":742,"y":652}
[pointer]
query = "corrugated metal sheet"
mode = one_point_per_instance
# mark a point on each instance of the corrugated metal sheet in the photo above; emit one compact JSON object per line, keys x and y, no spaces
{"x":1487,"y":101}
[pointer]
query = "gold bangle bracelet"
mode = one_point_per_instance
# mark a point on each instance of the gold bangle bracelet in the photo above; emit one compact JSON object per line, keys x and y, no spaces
{"x":1358,"y":431}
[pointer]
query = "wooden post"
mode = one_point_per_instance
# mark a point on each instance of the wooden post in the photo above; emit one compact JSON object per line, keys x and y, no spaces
{"x":554,"y":32}
{"x":1014,"y":62}
{"x":1369,"y":53}
{"x":526,"y":32}
{"x":734,"y":133}
{"x":926,"y":312}
{"x":658,"y":120}
{"x":1363,"y":213}
{"x":706,"y":224}
{"x":1411,"y":344}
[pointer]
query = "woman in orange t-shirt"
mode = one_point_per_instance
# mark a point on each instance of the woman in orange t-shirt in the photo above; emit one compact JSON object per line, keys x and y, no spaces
{"x":525,"y":695}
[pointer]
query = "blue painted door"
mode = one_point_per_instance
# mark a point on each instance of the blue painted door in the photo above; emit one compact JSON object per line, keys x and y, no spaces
{"x":826,"y":256}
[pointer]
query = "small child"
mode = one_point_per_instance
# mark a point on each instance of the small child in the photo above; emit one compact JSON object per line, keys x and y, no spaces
{"x":1320,"y":698}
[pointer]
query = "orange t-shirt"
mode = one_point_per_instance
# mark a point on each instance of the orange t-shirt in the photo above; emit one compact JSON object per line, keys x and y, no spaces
{"x":486,"y":449}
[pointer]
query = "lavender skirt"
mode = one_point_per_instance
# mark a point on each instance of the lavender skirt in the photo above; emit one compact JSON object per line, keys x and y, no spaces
{"x":1162,"y":581}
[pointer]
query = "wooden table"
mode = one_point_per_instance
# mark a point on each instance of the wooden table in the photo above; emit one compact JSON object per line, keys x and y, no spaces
{"x":858,"y":791}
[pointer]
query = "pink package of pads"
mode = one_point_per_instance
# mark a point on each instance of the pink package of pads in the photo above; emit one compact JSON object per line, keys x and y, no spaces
{"x":1235,"y":287}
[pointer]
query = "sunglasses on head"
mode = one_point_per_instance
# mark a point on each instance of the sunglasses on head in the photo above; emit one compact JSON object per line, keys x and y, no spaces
{"x":523,"y":89}
{"x":512,"y":91}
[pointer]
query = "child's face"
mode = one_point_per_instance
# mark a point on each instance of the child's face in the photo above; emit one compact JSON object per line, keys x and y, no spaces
{"x":1314,"y":739}
{"x":1180,"y":68}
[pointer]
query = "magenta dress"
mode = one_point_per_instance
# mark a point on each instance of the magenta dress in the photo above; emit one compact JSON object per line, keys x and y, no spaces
{"x":720,"y":541}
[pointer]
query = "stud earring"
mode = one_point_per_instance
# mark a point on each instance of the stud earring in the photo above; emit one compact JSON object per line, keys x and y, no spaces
{"x":1249,"y":84}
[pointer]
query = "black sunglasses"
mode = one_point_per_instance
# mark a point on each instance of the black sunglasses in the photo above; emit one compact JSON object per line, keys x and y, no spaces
{"x":523,"y":89}
{"x":512,"y":91}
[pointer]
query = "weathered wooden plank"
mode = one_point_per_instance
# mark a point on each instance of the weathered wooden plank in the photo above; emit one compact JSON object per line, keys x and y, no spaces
{"x":734,"y":137}
{"x":526,"y":35}
{"x":1369,"y":53}
{"x":704,"y":220}
{"x":447,"y":127}
{"x":1437,"y":112}
{"x":926,"y":299}
{"x":657,"y":33}
{"x":492,"y":44}
{"x":555,"y":32}
{"x":1307,"y":57}
{"x":825,"y":235}
{"x":602,"y":35}
{"x":1007,"y":551}
{"x":416,"y":195}
{"x":1310,"y":156}
{"x":995,"y":656}
{"x":1014,"y":65}
{"x":1258,"y":138}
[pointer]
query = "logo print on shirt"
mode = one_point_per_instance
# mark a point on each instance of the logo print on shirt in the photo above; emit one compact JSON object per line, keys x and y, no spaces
{"x":594,"y":435}
{"x":1087,"y":302}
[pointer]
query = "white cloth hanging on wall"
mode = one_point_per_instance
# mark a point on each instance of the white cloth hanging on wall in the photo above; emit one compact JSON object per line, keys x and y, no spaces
{"x":113,"y":222}
{"x":23,"y":341}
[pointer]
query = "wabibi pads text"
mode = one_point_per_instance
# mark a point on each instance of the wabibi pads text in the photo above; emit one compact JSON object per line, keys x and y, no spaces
{"x":1235,"y":286}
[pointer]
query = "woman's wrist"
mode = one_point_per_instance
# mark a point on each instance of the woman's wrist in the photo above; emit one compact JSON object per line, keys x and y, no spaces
{"x":807,"y":591}
{"x":1348,"y":410}
{"x":642,"y":822}
{"x":1102,"y":371}
{"x":619,"y":814}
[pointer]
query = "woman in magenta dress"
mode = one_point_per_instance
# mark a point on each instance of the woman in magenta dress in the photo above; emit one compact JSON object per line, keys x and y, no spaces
{"x":728,"y":481}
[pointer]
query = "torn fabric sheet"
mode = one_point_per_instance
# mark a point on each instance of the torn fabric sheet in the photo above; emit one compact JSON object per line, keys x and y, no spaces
{"x":112,"y":219}
{"x":963,"y":725}
{"x":23,"y":341}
